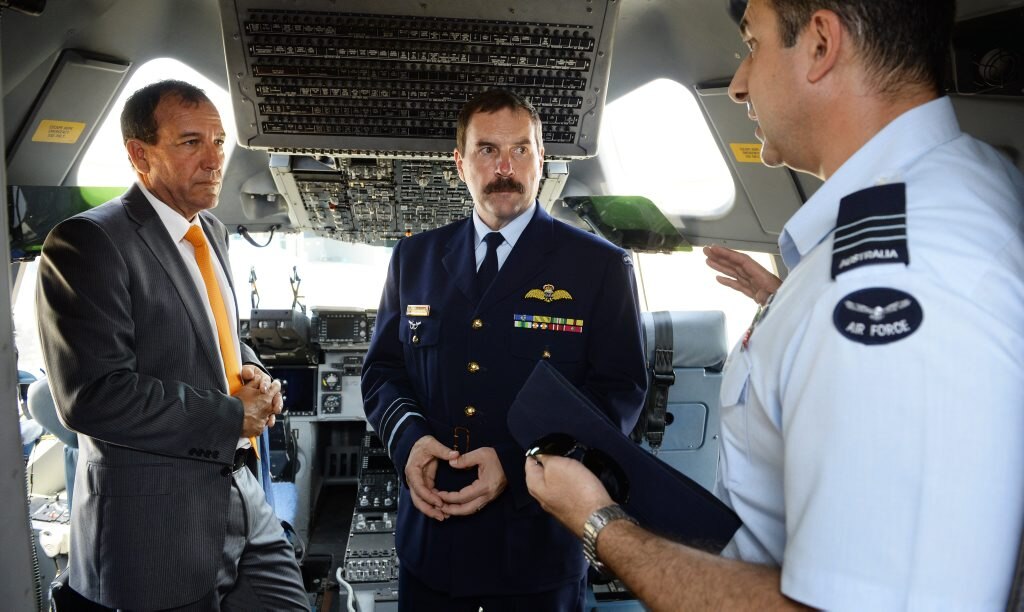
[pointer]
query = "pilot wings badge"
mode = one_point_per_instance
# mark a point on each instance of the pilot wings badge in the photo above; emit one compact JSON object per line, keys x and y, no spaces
{"x":877,"y":313}
{"x":548,"y":294}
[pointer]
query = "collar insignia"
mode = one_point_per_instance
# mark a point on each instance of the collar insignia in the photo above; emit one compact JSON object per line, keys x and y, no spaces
{"x":548,"y":294}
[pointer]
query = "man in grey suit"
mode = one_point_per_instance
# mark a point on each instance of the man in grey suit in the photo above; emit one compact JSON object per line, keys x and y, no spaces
{"x":166,"y":514}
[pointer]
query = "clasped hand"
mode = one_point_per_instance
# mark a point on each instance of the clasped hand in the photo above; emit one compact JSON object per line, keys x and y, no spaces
{"x":421,"y":470}
{"x":261,"y":399}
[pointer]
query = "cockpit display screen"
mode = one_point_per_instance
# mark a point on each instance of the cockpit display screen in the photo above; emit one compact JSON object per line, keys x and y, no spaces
{"x":340,"y":327}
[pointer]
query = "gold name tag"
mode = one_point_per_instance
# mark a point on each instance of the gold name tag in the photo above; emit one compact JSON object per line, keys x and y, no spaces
{"x":417,"y":310}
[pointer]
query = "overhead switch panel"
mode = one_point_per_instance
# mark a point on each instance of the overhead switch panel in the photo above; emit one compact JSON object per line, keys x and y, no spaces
{"x":371,"y":78}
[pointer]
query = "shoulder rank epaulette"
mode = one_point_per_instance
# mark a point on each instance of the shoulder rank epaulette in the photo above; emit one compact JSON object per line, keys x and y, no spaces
{"x":871,"y":228}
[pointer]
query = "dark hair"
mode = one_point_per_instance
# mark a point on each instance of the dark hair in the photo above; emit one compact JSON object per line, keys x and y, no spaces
{"x":903,"y":41}
{"x":137,"y":120}
{"x":490,"y":101}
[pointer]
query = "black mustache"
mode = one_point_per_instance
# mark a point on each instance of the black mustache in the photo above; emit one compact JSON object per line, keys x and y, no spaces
{"x":505,"y":184}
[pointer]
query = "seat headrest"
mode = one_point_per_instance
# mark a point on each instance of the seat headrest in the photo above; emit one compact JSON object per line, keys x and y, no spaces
{"x":698,"y":338}
{"x":44,"y":411}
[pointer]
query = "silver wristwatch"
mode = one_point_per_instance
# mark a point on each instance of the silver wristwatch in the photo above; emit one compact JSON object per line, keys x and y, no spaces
{"x":592,"y":528}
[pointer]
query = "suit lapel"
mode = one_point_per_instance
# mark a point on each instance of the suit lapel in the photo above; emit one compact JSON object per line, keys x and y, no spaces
{"x":153,"y":233}
{"x":526,"y":258}
{"x":460,"y":259}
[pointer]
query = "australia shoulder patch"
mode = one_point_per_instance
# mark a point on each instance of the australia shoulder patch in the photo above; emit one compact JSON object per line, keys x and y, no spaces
{"x":878,"y":315}
{"x":871,"y":228}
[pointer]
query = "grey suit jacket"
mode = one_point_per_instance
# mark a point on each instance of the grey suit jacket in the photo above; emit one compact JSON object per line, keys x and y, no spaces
{"x":134,"y":367}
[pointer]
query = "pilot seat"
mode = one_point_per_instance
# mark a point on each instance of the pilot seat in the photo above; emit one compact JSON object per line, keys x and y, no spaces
{"x":681,"y":418}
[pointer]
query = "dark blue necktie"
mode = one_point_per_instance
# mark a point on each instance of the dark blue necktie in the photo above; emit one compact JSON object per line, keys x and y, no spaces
{"x":489,"y":268}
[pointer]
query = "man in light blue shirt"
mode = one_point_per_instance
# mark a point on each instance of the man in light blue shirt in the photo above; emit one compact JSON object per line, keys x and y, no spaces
{"x":872,"y":467}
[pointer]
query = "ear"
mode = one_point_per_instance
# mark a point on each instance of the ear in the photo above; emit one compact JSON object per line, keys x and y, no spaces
{"x":137,"y":155}
{"x":458,"y":165}
{"x":825,"y":38}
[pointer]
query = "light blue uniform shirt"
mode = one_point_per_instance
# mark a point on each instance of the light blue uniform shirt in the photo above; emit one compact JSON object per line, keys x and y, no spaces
{"x":510,"y":233}
{"x":890,"y":476}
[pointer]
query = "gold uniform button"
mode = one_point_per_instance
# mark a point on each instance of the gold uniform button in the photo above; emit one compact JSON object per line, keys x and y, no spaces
{"x":546,"y":354}
{"x":473,"y":367}
{"x":415,"y":339}
{"x":478,"y":323}
{"x":470,"y":411}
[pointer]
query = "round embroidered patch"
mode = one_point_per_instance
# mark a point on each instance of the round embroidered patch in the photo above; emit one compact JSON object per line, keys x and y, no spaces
{"x":878,"y":315}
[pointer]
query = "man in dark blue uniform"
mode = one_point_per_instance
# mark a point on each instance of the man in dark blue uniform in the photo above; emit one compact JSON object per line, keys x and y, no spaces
{"x":467,"y":311}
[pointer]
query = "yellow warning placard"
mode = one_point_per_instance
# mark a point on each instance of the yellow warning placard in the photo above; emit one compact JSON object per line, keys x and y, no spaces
{"x":63,"y":132}
{"x":746,"y":152}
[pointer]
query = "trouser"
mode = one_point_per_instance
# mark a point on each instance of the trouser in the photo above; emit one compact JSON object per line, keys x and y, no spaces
{"x":415,"y":596}
{"x":258,"y":568}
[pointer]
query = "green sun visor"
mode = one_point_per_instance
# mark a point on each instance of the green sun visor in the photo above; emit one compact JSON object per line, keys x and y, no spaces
{"x":35,"y":210}
{"x":630,"y":222}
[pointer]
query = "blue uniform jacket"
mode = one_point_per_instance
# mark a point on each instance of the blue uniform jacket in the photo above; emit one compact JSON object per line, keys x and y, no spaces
{"x":563,"y":295}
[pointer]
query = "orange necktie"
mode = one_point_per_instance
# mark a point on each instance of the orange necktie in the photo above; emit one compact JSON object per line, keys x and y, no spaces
{"x":220,"y":314}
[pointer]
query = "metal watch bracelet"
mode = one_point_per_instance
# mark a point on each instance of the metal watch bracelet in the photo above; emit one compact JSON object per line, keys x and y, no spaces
{"x":592,"y":528}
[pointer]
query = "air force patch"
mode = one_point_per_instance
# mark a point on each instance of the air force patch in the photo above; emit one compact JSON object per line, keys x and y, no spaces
{"x":878,"y":315}
{"x":871,"y":228}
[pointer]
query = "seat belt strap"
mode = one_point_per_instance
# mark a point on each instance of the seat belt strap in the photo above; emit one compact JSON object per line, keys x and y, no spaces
{"x":652,"y":421}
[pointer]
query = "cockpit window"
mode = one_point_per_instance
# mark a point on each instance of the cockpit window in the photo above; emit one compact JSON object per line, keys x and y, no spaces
{"x":332,"y":273}
{"x":656,"y":143}
{"x":683,"y":281}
